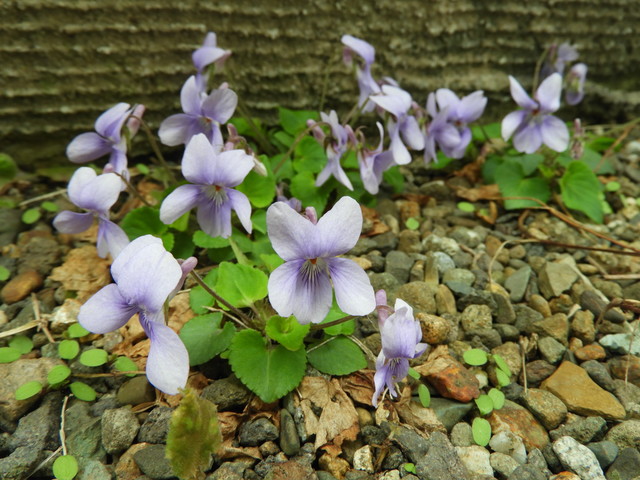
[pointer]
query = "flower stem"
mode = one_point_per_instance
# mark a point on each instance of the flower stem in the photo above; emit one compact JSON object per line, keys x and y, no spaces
{"x":295,"y":143}
{"x":209,"y":290}
{"x":320,"y":326}
{"x":156,"y":150}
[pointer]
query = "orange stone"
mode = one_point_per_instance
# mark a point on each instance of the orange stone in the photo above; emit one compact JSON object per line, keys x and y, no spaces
{"x":590,"y":352}
{"x":454,"y":381}
{"x":518,"y":420}
{"x":20,"y":286}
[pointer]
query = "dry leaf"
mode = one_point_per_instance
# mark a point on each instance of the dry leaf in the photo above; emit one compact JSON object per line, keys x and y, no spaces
{"x":414,"y":414}
{"x":359,"y":386}
{"x":83,"y":272}
{"x":338,"y":420}
{"x":483,"y":192}
{"x":377,"y":226}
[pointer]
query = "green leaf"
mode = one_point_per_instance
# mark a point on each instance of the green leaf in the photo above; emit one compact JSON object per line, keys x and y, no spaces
{"x":295,"y":121}
{"x":28,"y":390}
{"x":259,"y":221}
{"x":441,"y":161}
{"x":142,"y":168}
{"x":271,"y":260}
{"x":58,"y":374}
{"x":481,"y":431}
{"x":167,"y":241}
{"x":4,"y":273}
{"x":259,"y":189}
{"x":49,"y":207}
{"x":512,"y":182}
{"x":394,"y":177}
{"x":183,"y":246}
{"x":65,"y":467}
{"x":241,"y":285}
{"x":412,"y":224}
{"x":303,"y":187}
{"x":338,"y":356}
{"x":125,"y":364}
{"x":287,"y":331}
{"x":8,"y":168}
{"x":194,"y":435}
{"x":202,"y":240}
{"x":413,"y":374}
{"x":310,"y":156}
{"x":182,"y":223}
{"x":410,"y":467}
{"x":344,"y":328}
{"x":484,"y":404}
{"x":199,"y":298}
{"x":497,"y":397}
{"x":501,"y":364}
{"x":8,"y":354}
{"x":76,"y":330}
{"x":31,"y":216}
{"x":612,"y":186}
{"x":529,"y":162}
{"x":143,"y":221}
{"x":492,"y":130}
{"x":269,"y":372}
{"x":580,"y":189}
{"x":503,"y":379}
{"x":21,"y":343}
{"x":424,"y":395}
{"x":475,"y":357}
{"x":94,"y":357}
{"x":466,"y":207}
{"x":83,"y":391}
{"x":204,"y":337}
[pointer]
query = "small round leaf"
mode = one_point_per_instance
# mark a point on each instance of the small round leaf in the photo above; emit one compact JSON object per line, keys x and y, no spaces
{"x":485,"y":404}
{"x":503,"y":379}
{"x":58,"y":374}
{"x":28,"y":390}
{"x":31,"y":216}
{"x":475,"y":357}
{"x":481,"y":431}
{"x":466,"y":207}
{"x":94,"y":357}
{"x":497,"y":397}
{"x":414,"y":374}
{"x":49,"y":207}
{"x":4,"y":273}
{"x":125,"y":364}
{"x":21,"y":343}
{"x":68,"y":349}
{"x":76,"y":331}
{"x":425,"y":396}
{"x":83,"y":391}
{"x":9,"y":354}
{"x":412,"y":223}
{"x":65,"y":467}
{"x":502,"y":365}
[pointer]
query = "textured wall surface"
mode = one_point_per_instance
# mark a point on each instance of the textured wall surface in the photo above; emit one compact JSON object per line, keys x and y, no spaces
{"x":62,"y":62}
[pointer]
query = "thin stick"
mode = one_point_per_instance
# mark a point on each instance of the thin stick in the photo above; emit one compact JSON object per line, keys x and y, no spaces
{"x":321,"y":326}
{"x":42,"y":197}
{"x":156,"y":149}
{"x":22,"y":328}
{"x":364,"y":348}
{"x":208,"y":289}
{"x":224,"y":312}
{"x":321,"y":344}
{"x":293,"y":146}
{"x":42,"y":322}
{"x":63,"y":435}
{"x":108,"y":375}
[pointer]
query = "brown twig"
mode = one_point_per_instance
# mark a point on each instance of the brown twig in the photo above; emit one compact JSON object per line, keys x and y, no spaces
{"x":321,"y":326}
{"x":221,"y":300}
{"x":43,"y":323}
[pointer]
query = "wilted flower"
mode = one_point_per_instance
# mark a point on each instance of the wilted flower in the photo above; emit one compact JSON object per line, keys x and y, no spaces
{"x":534,"y":125}
{"x":213,"y":175}
{"x":302,"y":285}
{"x":202,"y":114}
{"x":107,"y":138}
{"x":400,"y":335}
{"x":366,"y":83}
{"x":96,"y":194}
{"x":204,"y":56}
{"x":145,"y":276}
{"x":336,"y":146}
{"x":404,"y":126}
{"x":574,"y":82}
{"x":373,"y":164}
{"x":557,"y":57}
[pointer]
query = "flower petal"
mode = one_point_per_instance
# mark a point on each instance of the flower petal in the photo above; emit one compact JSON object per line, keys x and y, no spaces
{"x":338,"y":230}
{"x":512,"y":122}
{"x":394,"y":100}
{"x":168,"y":361}
{"x":146,"y":273}
{"x":401,"y":154}
{"x":472,"y":106}
{"x":354,"y":293}
{"x":91,"y":192}
{"x":381,"y":378}
{"x":178,"y":129}
{"x":109,"y":124}
{"x":293,"y":290}
{"x":362,"y":48}
{"x":231,"y":167}
{"x":190,"y":98}
{"x":179,"y":202}
{"x":555,"y":133}
{"x":111,"y":239}
{"x":447,"y":99}
{"x":214,"y":219}
{"x":240,"y":203}
{"x":289,"y":232}
{"x":87,"y":147}
{"x":205,"y":56}
{"x":548,"y":93}
{"x":199,"y":161}
{"x":220,"y":104}
{"x":411,"y":133}
{"x":520,"y":96}
{"x":528,"y":139}
{"x":72,"y":222}
{"x":106,"y":311}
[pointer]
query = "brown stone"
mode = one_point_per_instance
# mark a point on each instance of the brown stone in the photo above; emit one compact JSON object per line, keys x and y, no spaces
{"x":540,"y":305}
{"x":20,"y":286}
{"x":536,"y":372}
{"x":590,"y":352}
{"x":555,"y":326}
{"x":435,"y":330}
{"x":452,"y":379}
{"x":582,"y":326}
{"x":336,"y":466}
{"x":627,"y":366}
{"x":546,"y":407}
{"x":581,"y":395}
{"x":516,"y":419}
{"x":126,"y":468}
{"x":445,"y":301}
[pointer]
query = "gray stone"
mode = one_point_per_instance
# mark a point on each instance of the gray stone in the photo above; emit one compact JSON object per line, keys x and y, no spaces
{"x":399,"y":265}
{"x":488,"y":337}
{"x":466,"y":236}
{"x":619,"y":343}
{"x":458,"y":276}
{"x":393,"y":459}
{"x":592,"y":302}
{"x":555,"y":278}
{"x":21,"y":462}
{"x":461,"y":435}
{"x":256,"y":432}
{"x":410,"y":443}
{"x":578,"y":458}
{"x":551,"y":350}
{"x":385,"y":242}
{"x":227,"y":393}
{"x":476,"y":317}
{"x":10,"y":225}
{"x":625,"y":434}
{"x":409,"y":241}
{"x":322,"y":475}
{"x":156,"y":426}
{"x":39,"y":429}
{"x":546,"y":407}
{"x":435,"y":243}
{"x":362,"y":246}
{"x":84,"y":437}
{"x":508,"y":333}
{"x":582,"y":429}
{"x":527,"y":472}
{"x":629,"y":396}
{"x":626,"y":466}
{"x":153,"y":463}
{"x":363,"y":459}
{"x":441,"y":461}
{"x":510,"y":444}
{"x":119,"y":428}
{"x":503,"y":464}
{"x":606,"y":452}
{"x":231,"y":470}
{"x":94,"y":470}
{"x":476,"y":459}
{"x":505,"y":313}
{"x":386,"y":282}
{"x":450,"y":412}
{"x":526,"y":316}
{"x":443,"y":262}
{"x":289,"y":440}
{"x":419,"y":295}
{"x":517,"y":283}
{"x":599,"y":374}
{"x":136,"y":391}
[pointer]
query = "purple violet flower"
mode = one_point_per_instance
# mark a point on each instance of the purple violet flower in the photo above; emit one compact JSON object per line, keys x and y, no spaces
{"x":107,"y":138}
{"x":398,"y":102}
{"x":367,"y":85}
{"x":400,"y":334}
{"x":534,"y":125}
{"x":574,"y":81}
{"x":557,"y":57}
{"x":96,"y":194}
{"x":302,"y":285}
{"x":336,"y":146}
{"x":373,"y":163}
{"x":458,"y":113}
{"x":145,"y":276}
{"x":204,"y":56}
{"x":202,"y":114}
{"x":213,"y":175}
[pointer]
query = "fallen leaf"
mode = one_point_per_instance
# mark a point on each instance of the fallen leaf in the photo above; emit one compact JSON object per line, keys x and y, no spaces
{"x":83,"y":271}
{"x":483,"y":192}
{"x":415,"y":415}
{"x":359,"y":386}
